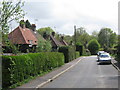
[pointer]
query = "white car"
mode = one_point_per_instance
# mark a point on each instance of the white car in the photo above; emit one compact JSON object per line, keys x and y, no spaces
{"x":105,"y":58}
{"x":100,"y":52}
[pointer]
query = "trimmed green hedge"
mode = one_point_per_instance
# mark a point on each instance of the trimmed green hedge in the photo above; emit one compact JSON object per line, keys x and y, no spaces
{"x":69,"y":53}
{"x":77,"y":54}
{"x":80,"y":49}
{"x":18,"y":68}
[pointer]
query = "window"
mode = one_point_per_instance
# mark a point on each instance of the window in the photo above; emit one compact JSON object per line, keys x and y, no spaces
{"x":30,"y":41}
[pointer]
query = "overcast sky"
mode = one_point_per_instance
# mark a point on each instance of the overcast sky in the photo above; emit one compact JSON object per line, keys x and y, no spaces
{"x":62,"y":15}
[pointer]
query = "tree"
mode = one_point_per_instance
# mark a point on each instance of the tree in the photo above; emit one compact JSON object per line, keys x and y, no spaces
{"x":82,"y":36}
{"x":10,"y":11}
{"x":46,"y":30}
{"x":113,"y":39}
{"x":68,"y":38}
{"x":94,"y":35}
{"x":27,"y":24}
{"x":93,"y":46}
{"x":107,"y":38}
{"x":43,"y":46}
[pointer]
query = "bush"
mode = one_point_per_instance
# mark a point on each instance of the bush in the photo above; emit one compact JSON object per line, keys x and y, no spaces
{"x":93,"y":46}
{"x":86,"y":52}
{"x":101,"y":49}
{"x":69,"y":52}
{"x":18,"y":68}
{"x":43,"y":46}
{"x":112,"y":51}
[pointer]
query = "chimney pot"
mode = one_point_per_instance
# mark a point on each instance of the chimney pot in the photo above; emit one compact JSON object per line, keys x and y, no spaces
{"x":53,"y":34}
{"x":33,"y":27}
{"x":62,"y":37}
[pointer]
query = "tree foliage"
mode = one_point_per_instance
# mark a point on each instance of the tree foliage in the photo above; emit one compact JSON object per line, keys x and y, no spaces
{"x":27,"y":24}
{"x":68,"y":38}
{"x":94,"y":35}
{"x":10,"y":11}
{"x":82,"y":36}
{"x":107,"y":38}
{"x":46,"y":30}
{"x":93,"y":46}
{"x":43,"y":46}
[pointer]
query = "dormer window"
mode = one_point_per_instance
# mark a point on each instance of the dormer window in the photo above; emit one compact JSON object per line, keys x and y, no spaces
{"x":30,"y":41}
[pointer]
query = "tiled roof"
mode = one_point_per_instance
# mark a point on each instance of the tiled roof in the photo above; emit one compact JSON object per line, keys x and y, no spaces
{"x":22,"y":36}
{"x":57,"y":42}
{"x":37,"y":35}
{"x":63,"y":42}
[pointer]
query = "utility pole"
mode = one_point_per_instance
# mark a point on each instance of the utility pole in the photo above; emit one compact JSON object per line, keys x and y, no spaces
{"x":75,"y":39}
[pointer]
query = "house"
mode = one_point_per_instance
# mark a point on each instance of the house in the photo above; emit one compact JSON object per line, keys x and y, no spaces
{"x":24,"y":38}
{"x":57,"y":43}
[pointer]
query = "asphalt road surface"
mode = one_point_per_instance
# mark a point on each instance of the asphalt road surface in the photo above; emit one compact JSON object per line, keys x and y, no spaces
{"x":87,"y":74}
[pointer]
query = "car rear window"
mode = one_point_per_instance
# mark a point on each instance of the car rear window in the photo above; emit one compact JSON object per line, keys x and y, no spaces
{"x":104,"y":56}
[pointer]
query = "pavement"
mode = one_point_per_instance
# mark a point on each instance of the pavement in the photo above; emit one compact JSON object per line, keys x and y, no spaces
{"x":42,"y":80}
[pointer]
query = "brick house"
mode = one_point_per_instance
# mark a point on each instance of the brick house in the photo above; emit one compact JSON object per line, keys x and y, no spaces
{"x":24,"y":38}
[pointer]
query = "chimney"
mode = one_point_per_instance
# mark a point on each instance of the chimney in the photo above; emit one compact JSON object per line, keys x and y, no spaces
{"x":33,"y":27}
{"x":62,"y":37}
{"x":45,"y":35}
{"x":53,"y":34}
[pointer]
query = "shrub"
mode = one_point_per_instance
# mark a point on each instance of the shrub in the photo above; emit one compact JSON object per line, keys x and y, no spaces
{"x":101,"y":49}
{"x":112,"y":51}
{"x":18,"y":68}
{"x":93,"y":46}
{"x":86,"y":52}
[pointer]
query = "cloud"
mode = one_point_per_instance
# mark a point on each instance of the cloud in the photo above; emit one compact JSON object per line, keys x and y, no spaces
{"x":64,"y":14}
{"x":39,"y":10}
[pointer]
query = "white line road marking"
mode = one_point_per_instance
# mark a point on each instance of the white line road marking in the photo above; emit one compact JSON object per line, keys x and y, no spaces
{"x":58,"y":74}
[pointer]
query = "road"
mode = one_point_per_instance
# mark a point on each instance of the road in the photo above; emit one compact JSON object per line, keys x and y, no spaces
{"x":87,"y":74}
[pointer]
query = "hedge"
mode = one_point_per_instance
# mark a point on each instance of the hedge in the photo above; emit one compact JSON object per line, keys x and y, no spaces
{"x":77,"y":54}
{"x":80,"y":49}
{"x":18,"y":68}
{"x":69,"y":53}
